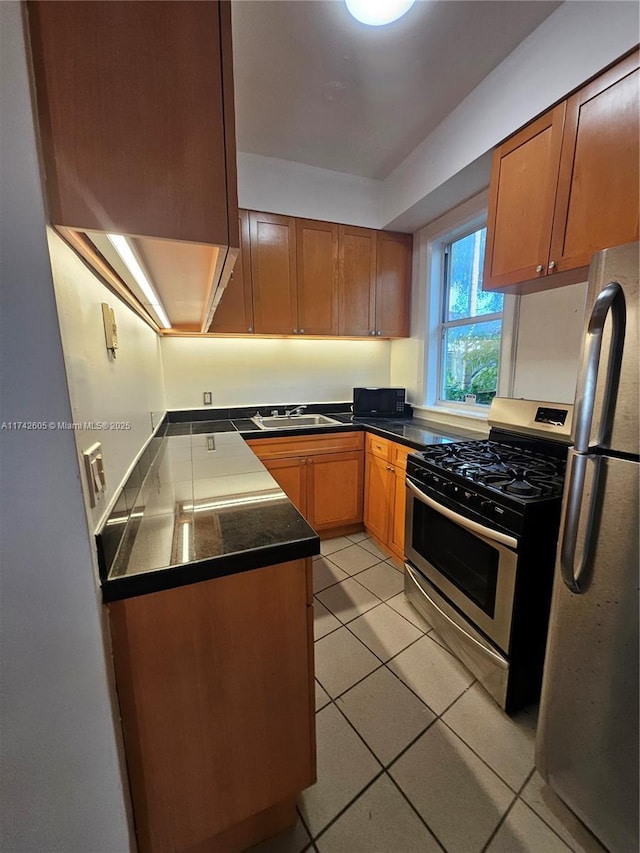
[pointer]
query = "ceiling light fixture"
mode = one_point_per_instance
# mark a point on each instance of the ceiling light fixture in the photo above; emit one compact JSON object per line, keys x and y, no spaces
{"x":122,"y":247}
{"x":376,"y":13}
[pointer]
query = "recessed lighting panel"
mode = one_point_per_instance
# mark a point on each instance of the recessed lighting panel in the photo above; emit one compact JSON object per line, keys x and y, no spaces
{"x":377,"y":13}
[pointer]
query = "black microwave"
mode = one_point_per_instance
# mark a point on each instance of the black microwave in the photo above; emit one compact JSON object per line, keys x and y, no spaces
{"x":378,"y":402}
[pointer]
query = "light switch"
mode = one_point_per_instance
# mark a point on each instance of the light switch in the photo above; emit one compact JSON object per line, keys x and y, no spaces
{"x":94,"y":469}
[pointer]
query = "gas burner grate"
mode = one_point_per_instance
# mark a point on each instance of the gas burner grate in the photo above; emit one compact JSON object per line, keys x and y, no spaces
{"x":509,"y":469}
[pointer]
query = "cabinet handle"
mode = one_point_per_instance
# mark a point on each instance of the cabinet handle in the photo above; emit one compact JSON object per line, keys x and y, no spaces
{"x":539,"y":268}
{"x":378,"y":332}
{"x":295,"y":331}
{"x":249,"y":328}
{"x":302,"y":331}
{"x":552,"y":265}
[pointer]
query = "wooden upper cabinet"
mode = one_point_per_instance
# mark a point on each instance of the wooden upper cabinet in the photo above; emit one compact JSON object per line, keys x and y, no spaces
{"x":524,"y":176}
{"x":135,"y":112}
{"x":566,"y":186}
{"x":597,"y":203}
{"x":316,"y":278}
{"x":317,"y":271}
{"x":234,"y":314}
{"x":393,"y":283}
{"x":357,"y":285}
{"x":273,"y":273}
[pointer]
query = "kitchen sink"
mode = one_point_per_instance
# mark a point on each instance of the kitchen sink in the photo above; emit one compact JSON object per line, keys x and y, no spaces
{"x":294,"y":421}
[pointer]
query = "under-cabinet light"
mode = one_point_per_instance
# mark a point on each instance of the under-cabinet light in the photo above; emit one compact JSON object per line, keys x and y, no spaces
{"x":122,"y":247}
{"x":377,"y":13}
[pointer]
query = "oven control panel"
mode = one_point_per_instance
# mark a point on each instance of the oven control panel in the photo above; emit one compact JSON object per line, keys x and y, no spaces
{"x":554,"y":417}
{"x":472,"y":504}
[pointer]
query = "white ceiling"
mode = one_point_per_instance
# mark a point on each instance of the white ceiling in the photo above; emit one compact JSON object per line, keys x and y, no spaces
{"x":314,"y":86}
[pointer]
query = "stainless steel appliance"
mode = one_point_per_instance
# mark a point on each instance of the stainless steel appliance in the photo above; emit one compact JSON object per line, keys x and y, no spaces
{"x":587,"y":741}
{"x":379,"y":402}
{"x":481,"y":531}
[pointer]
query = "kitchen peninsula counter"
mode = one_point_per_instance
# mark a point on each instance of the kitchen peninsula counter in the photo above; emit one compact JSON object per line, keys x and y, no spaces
{"x":205,"y":508}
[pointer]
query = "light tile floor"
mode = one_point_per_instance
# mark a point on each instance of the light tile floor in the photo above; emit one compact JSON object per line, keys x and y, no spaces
{"x":413,"y":755}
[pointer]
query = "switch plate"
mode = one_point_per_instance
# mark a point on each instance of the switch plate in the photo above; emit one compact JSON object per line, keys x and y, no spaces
{"x":94,"y":469}
{"x":208,"y":399}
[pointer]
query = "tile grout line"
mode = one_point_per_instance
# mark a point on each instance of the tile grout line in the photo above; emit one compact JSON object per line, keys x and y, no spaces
{"x":507,"y":812}
{"x":384,"y":772}
{"x":516,"y":794}
{"x":548,"y":825}
{"x":413,"y":808}
{"x":483,"y":760}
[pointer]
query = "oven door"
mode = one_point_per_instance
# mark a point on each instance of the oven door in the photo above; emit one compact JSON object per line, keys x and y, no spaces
{"x":473,"y":566}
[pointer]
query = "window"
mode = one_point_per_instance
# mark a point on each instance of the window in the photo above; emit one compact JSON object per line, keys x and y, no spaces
{"x":470,"y":327}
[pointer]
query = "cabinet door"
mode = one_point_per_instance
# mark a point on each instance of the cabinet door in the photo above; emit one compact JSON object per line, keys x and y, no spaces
{"x":291,"y":476}
{"x":597,"y":201}
{"x":399,"y":503}
{"x":208,"y":748}
{"x":273,"y":273}
{"x":132,"y":100}
{"x":357,"y":280}
{"x":317,"y":271}
{"x":234,"y":314}
{"x":335,"y":482}
{"x":393,"y":283}
{"x":378,"y":496}
{"x":524,"y":176}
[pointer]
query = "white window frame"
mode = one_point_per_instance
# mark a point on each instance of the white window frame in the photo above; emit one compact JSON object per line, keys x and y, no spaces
{"x":451,"y":227}
{"x":445,"y":324}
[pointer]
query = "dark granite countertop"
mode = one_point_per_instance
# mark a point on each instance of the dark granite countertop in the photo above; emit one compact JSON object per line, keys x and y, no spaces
{"x":207,"y":507}
{"x":200,"y":504}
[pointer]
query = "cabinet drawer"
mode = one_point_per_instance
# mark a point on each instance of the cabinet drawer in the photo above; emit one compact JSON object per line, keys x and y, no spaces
{"x":379,"y":447}
{"x":399,"y":455}
{"x":305,"y":445}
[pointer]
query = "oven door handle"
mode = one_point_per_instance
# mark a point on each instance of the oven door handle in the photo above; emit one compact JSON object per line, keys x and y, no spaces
{"x":473,"y":526}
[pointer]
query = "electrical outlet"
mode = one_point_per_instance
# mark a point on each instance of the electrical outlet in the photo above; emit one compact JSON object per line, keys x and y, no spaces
{"x":208,"y":399}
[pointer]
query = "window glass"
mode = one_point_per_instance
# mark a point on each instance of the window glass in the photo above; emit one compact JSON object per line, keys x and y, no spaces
{"x":471,"y":327}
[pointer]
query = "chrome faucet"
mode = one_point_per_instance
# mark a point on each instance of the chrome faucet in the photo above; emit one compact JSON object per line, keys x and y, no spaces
{"x":293,"y":412}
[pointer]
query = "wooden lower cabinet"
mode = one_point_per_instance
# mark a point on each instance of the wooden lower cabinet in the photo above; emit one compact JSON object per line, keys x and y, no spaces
{"x":322,"y":475}
{"x":385,"y":496}
{"x":291,"y":476}
{"x":334,"y":490}
{"x":378,"y":497}
{"x":399,"y":503}
{"x":215,"y":685}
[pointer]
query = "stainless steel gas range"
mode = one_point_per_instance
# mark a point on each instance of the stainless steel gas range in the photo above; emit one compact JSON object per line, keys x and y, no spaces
{"x":481,"y":532}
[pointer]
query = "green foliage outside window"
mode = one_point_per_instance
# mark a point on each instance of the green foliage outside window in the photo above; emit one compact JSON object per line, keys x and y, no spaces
{"x":471,"y":350}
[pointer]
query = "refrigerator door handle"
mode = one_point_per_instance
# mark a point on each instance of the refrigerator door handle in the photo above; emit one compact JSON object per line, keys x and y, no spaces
{"x":573,"y":511}
{"x":611,"y":298}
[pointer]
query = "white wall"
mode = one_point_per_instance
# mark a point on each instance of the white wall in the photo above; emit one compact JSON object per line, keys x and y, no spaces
{"x":125,"y":389}
{"x":61,"y":777}
{"x":548,"y":344}
{"x":281,"y":186}
{"x":246,"y":372}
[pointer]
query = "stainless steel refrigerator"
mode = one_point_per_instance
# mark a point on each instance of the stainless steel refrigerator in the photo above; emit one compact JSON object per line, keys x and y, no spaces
{"x":587,"y":741}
